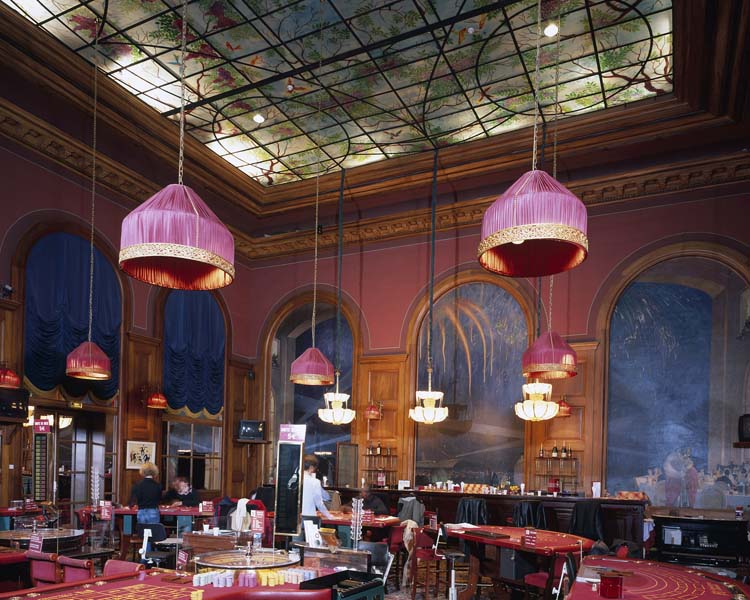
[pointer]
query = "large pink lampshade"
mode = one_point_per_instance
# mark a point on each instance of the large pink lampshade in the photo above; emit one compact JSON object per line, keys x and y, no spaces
{"x":88,"y":361}
{"x":174,"y":240}
{"x":312,"y":368}
{"x":9,"y":379}
{"x":549,"y":357}
{"x":537,"y":227}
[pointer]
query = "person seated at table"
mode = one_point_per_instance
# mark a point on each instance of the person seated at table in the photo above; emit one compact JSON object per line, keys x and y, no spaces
{"x":181,"y":494}
{"x":370,"y":501}
{"x":146,"y":494}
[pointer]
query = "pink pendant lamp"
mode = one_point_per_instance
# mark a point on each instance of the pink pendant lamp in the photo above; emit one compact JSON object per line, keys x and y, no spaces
{"x":537,"y":227}
{"x":312,"y":367}
{"x":88,"y":361}
{"x":173,"y":239}
{"x":549,"y":357}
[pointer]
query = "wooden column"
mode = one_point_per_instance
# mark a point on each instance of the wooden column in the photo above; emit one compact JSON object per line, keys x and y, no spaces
{"x":244,"y":463}
{"x":382,"y":379}
{"x":582,"y":430}
{"x":11,"y":338}
{"x":142,"y":367}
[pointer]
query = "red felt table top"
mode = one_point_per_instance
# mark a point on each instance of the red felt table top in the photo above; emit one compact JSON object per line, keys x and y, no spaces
{"x":646,"y":580}
{"x":547,"y":542}
{"x":342,"y":518}
{"x":178,"y":511}
{"x":14,"y":512}
{"x":152,"y":584}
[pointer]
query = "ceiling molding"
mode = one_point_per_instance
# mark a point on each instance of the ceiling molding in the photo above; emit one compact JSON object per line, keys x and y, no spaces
{"x":37,"y":135}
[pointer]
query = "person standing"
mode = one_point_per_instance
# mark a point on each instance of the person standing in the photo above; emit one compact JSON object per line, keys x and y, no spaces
{"x":147,"y":494}
{"x":312,"y":491}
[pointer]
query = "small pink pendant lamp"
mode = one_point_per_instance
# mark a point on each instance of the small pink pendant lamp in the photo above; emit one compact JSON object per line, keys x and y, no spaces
{"x":173,"y":239}
{"x":88,"y":361}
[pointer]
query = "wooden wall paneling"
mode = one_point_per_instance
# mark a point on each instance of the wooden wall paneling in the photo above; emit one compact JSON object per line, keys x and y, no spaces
{"x":142,"y":366}
{"x":11,"y":353}
{"x":581,"y":430}
{"x":382,"y":380}
{"x":244,"y":463}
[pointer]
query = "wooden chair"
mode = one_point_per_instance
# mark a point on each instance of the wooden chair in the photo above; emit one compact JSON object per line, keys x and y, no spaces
{"x":118,"y":567}
{"x":397,"y":548}
{"x":43,"y":568}
{"x":74,"y":569}
{"x":427,"y":562}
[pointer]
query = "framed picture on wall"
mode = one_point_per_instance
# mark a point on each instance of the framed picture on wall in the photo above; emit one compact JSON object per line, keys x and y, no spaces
{"x":138,"y":453}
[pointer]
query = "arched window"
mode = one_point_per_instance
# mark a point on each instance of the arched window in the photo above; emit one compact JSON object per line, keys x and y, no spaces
{"x":480,"y":333}
{"x":300,"y":403}
{"x":57,"y":309}
{"x":194,"y":347}
{"x":677,"y":376}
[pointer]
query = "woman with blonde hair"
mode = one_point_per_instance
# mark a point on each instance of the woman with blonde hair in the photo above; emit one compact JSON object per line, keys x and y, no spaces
{"x":147,"y":494}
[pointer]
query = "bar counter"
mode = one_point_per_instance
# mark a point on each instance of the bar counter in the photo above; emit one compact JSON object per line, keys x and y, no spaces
{"x":623,"y":519}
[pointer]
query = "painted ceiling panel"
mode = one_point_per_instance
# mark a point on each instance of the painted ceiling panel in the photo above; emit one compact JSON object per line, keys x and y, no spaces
{"x":340,"y":83}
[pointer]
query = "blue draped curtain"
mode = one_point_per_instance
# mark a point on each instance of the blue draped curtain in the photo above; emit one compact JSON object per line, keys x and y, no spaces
{"x":194,"y":340}
{"x":57,"y":309}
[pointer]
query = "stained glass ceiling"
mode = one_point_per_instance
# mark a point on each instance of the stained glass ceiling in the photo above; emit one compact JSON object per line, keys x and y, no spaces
{"x":341,"y":83}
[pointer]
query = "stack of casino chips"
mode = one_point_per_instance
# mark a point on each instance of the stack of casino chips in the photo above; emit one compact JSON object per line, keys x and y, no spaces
{"x":367,"y":515}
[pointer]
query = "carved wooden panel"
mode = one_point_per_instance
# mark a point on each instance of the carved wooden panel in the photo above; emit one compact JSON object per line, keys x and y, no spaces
{"x":243,"y":464}
{"x":381,"y":381}
{"x":580,"y":431}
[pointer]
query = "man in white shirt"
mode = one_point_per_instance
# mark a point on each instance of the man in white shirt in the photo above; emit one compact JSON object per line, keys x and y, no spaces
{"x":312,"y":491}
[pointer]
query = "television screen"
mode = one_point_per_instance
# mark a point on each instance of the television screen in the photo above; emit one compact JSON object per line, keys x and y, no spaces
{"x":252,"y":430}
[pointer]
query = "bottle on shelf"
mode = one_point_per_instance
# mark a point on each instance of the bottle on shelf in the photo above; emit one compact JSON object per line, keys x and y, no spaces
{"x":563,"y":451}
{"x":379,"y":449}
{"x":369,"y":450}
{"x":541,"y":451}
{"x":554,"y":451}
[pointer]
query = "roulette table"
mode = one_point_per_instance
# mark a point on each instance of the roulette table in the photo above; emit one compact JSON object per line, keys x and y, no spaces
{"x":648,"y":580}
{"x":237,"y":559}
{"x":162,"y":585}
{"x":54,"y":540}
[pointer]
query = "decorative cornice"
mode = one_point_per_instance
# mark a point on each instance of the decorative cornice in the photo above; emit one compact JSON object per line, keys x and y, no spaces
{"x":37,"y":135}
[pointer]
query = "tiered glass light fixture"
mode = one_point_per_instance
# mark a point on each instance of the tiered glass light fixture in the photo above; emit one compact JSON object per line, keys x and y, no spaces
{"x":173,"y":239}
{"x":537,"y":227}
{"x":536,"y":404}
{"x":88,"y":361}
{"x":312,"y":367}
{"x":336,"y":410}
{"x":429,"y":407}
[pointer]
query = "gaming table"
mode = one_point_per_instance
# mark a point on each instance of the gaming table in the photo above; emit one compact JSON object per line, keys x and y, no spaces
{"x":342,"y":521}
{"x":647,"y":580}
{"x":54,"y":540}
{"x":163,"y":585}
{"x":238,"y":559}
{"x":478,"y":539}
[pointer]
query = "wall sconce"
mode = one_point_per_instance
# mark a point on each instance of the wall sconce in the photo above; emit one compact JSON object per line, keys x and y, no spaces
{"x":153,"y":398}
{"x":374,"y":411}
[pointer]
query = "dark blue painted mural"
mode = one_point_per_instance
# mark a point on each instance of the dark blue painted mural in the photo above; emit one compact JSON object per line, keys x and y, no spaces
{"x":659,"y":386}
{"x":480,"y":333}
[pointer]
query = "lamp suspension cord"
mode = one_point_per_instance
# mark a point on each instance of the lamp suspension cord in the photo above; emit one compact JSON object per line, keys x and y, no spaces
{"x":537,"y":80}
{"x":93,"y":183}
{"x":337,"y":357}
{"x":183,"y":51}
{"x":557,"y":94}
{"x":317,"y":174}
{"x":433,"y":221}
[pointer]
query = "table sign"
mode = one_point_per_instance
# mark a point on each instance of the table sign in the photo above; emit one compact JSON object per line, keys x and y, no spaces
{"x":529,"y":538}
{"x":433,"y":522}
{"x":105,"y":510}
{"x":41,"y":426}
{"x":292,"y":433}
{"x":182,"y":559}
{"x":36,"y":541}
{"x":207,"y":506}
{"x":257,"y":520}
